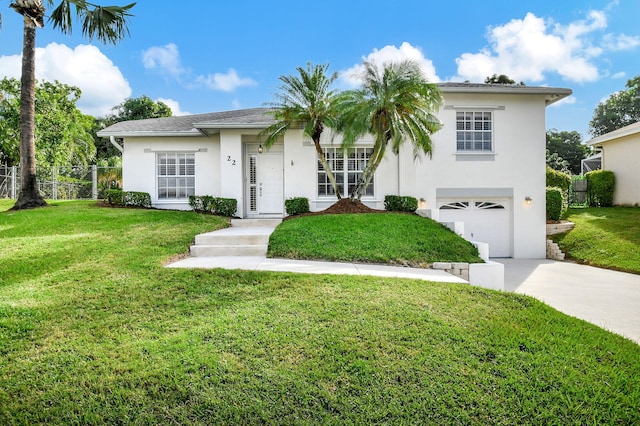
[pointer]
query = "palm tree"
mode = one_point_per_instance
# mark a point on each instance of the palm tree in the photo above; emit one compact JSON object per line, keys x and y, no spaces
{"x":306,"y":102}
{"x":108,"y":24}
{"x":395,"y":103}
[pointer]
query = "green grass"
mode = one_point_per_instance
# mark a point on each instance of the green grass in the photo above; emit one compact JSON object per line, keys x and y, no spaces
{"x":393,"y":238}
{"x":93,"y":330}
{"x":605,"y":237}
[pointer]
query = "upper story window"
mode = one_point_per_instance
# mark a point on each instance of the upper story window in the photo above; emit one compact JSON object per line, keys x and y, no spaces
{"x":474,"y":131}
{"x":355,"y":160}
{"x":176,"y":173}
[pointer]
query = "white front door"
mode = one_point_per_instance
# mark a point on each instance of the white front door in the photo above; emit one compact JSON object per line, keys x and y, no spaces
{"x":264,"y":177}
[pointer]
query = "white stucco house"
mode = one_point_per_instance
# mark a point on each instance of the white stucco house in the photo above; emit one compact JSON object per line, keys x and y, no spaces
{"x":487,"y":169}
{"x":620,"y":151}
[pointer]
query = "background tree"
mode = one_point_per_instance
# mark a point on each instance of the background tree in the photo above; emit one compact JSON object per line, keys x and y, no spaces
{"x":500,"y":79}
{"x":618,"y":110}
{"x":138,"y":109}
{"x":396,"y":103}
{"x":107,"y":24}
{"x":62,"y":133}
{"x":306,"y":101}
{"x":557,"y":163}
{"x":131,"y":109}
{"x":566,"y":146}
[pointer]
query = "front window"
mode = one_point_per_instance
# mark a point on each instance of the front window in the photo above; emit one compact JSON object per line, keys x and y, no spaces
{"x":355,"y":159}
{"x":176,"y":175}
{"x":474,"y":131}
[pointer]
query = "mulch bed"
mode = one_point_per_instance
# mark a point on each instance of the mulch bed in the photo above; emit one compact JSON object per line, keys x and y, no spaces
{"x":342,"y":206}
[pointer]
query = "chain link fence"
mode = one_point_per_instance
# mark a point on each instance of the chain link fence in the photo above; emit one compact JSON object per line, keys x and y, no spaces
{"x":64,"y":183}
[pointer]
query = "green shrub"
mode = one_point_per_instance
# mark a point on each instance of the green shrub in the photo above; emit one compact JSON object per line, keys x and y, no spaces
{"x":296,"y":205}
{"x":556,"y":179}
{"x":600,"y":188}
{"x":214,"y":205}
{"x":114,"y":197}
{"x":397,"y":203}
{"x":137,"y":199}
{"x":118,"y":197}
{"x":555,"y":205}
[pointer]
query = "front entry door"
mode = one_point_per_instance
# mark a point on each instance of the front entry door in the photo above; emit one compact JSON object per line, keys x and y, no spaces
{"x":264,"y":179}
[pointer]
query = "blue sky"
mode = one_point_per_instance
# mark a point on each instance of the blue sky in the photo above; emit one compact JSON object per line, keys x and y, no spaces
{"x":205,"y":56}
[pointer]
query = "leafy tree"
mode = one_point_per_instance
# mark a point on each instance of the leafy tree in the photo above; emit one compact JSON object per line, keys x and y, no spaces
{"x":138,"y":109}
{"x":567,"y":146}
{"x":306,"y":101}
{"x":131,"y":109}
{"x":557,"y":163}
{"x":396,"y":103}
{"x":618,"y":110}
{"x":108,"y":24}
{"x":500,"y":79}
{"x":63,"y":134}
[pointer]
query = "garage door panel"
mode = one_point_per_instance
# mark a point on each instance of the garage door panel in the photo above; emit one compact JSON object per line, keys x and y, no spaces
{"x":487,"y":221}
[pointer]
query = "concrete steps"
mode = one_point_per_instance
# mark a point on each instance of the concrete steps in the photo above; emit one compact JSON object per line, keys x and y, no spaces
{"x":245,"y":237}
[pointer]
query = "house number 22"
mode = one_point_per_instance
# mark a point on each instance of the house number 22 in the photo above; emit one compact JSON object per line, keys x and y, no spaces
{"x":233,"y":162}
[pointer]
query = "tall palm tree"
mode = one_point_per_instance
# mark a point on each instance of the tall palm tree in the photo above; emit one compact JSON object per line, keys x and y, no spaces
{"x":108,"y":24}
{"x":305,"y":101}
{"x":395,"y":103}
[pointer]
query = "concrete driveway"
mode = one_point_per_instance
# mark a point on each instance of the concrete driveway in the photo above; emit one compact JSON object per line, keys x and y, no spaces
{"x":608,"y":299}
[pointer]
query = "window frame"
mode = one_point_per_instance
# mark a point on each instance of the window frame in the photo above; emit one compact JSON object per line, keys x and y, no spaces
{"x":474,"y":131}
{"x":347,"y":167}
{"x":175,"y":180}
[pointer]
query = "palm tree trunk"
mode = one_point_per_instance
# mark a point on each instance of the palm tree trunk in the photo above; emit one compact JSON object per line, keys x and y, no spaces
{"x":369,"y":171}
{"x":30,"y":196}
{"x":327,"y":169}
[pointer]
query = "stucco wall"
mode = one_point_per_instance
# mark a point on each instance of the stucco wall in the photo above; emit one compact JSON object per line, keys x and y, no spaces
{"x":621,"y":156}
{"x":139,"y":165}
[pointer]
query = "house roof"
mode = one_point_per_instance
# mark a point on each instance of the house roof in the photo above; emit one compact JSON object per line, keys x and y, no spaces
{"x":259,"y":118}
{"x":552,"y":94}
{"x":190,"y":125}
{"x":629,"y":130}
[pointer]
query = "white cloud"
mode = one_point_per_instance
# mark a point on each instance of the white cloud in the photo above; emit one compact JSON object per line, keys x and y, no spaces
{"x":569,"y":100}
{"x":174,"y":105}
{"x":620,"y":74}
{"x":166,"y":59}
{"x":526,"y":49}
{"x":163,"y":58}
{"x":406,"y":51}
{"x":103,"y":85}
{"x":226,"y":82}
{"x":235,"y":104}
{"x":620,"y":42}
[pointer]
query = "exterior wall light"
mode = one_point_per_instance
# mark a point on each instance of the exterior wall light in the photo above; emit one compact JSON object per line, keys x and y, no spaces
{"x":527,"y":200}
{"x":260,"y":149}
{"x":422,"y":204}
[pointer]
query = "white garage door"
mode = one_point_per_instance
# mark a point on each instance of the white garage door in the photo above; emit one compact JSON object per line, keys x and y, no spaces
{"x":485,"y":220}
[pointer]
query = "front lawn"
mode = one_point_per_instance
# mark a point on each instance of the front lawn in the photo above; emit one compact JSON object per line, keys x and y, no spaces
{"x":394,"y":238}
{"x":605,"y":237}
{"x":94,"y":330}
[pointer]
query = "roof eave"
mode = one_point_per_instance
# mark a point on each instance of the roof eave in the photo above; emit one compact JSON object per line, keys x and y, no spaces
{"x":552,"y":94}
{"x":629,"y":130}
{"x":130,"y":134}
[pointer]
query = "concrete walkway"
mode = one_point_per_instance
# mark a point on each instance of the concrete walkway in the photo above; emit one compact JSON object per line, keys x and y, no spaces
{"x":261,"y":263}
{"x":608,"y":299}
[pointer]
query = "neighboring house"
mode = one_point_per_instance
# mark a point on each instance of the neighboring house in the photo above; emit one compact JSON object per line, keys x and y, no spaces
{"x":620,"y":153}
{"x":487,"y":169}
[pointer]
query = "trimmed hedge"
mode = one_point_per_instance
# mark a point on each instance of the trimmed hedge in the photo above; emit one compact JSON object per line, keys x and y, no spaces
{"x":398,"y":203}
{"x":556,"y":179}
{"x":118,"y":197}
{"x":601,"y":186}
{"x":555,"y":205}
{"x":296,"y":205}
{"x":214,"y":205}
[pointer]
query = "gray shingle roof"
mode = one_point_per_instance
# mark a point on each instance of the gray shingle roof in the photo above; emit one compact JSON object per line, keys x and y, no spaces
{"x":186,"y":124}
{"x":198,"y":124}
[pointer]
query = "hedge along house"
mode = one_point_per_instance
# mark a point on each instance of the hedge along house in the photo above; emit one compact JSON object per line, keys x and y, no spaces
{"x":487,"y":168}
{"x":620,"y":150}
